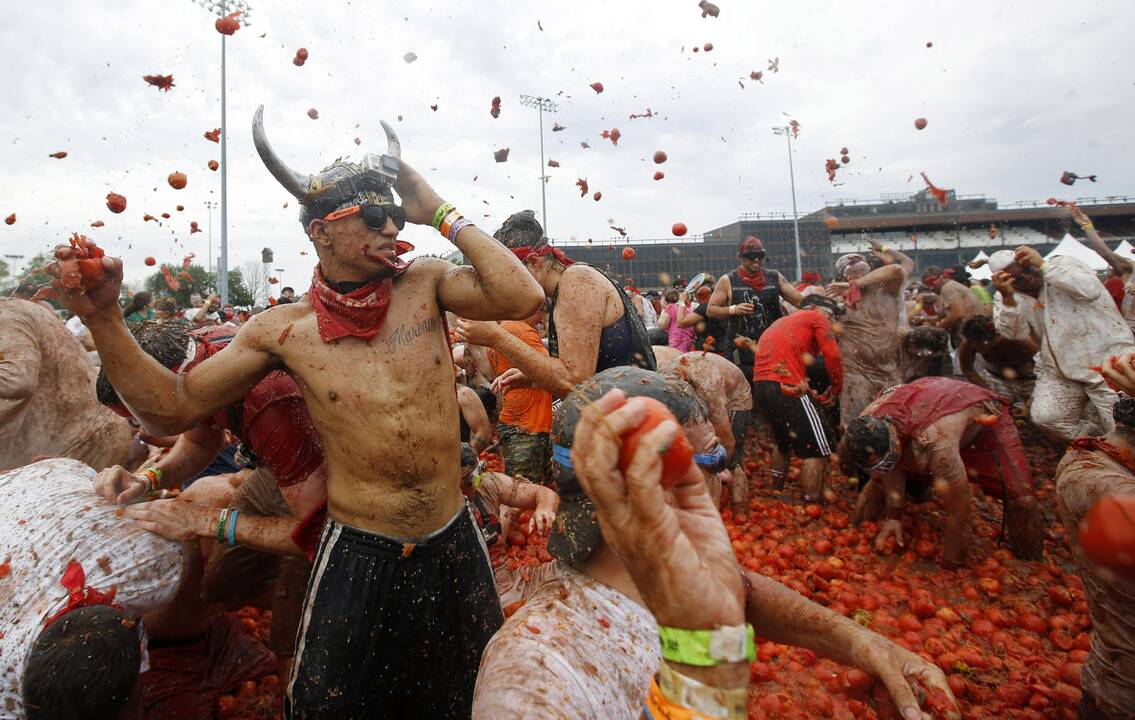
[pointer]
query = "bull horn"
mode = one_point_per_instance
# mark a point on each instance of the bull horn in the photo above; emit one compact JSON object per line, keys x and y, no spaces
{"x":393,"y":147}
{"x":294,"y":182}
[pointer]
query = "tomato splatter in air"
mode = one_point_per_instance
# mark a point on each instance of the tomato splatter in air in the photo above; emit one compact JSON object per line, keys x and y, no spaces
{"x":115,"y":203}
{"x":313,"y":113}
{"x":936,"y":191}
{"x":659,"y":157}
{"x":597,"y":87}
{"x":229,"y":24}
{"x":177,"y":180}
{"x":214,"y":135}
{"x":920,"y":123}
{"x":59,"y":155}
{"x":10,"y":220}
{"x":501,"y":155}
{"x":679,"y":229}
{"x":629,"y":253}
{"x":97,"y":223}
{"x":213,"y":165}
{"x":597,"y":196}
{"x":582,"y":185}
{"x":162,"y":82}
{"x":495,"y":107}
{"x":658,"y":175}
{"x":193,"y":227}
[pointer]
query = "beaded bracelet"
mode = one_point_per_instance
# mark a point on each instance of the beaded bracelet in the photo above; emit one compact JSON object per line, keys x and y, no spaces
{"x":442,"y":211}
{"x":457,"y":227}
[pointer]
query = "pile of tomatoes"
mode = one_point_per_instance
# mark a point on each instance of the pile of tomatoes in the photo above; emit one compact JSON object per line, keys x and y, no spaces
{"x":1010,"y":635}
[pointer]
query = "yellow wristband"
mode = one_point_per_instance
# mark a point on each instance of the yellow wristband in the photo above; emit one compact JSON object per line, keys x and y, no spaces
{"x":442,"y":210}
{"x":706,"y":648}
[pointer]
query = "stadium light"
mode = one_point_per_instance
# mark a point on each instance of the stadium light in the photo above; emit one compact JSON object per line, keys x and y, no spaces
{"x":222,"y":8}
{"x":543,"y":105}
{"x":786,"y":131}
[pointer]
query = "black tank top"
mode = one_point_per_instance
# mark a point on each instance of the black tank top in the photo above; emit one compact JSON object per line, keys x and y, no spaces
{"x":766,"y":309}
{"x":623,"y":342}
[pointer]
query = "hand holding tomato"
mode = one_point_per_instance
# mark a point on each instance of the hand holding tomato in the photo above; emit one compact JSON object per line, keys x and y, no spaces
{"x":1119,"y":371}
{"x":897,"y":668}
{"x":678,"y":553}
{"x":95,"y":291}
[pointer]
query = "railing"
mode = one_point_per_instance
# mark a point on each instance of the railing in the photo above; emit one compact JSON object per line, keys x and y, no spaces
{"x":631,"y":240}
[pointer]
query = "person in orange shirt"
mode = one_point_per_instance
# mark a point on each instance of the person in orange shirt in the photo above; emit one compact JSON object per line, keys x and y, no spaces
{"x":526,"y":411}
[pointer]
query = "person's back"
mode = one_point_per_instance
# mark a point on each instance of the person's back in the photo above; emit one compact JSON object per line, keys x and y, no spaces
{"x":47,"y":394}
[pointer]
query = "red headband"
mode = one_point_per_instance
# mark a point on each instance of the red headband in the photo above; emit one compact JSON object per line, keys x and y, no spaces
{"x":523,"y":252}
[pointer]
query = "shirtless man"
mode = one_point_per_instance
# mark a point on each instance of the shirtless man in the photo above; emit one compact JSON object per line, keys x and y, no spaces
{"x":870,"y":338}
{"x":47,"y":395}
{"x":1009,"y":364}
{"x":729,"y":399}
{"x":368,"y":350}
{"x":950,"y":433}
{"x":956,"y":302}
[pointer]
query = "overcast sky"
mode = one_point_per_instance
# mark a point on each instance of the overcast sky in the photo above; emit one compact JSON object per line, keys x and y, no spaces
{"x":1014,"y":92}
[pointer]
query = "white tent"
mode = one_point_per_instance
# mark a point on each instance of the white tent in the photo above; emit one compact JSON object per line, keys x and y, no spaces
{"x":1071,"y":247}
{"x":1125,"y":250}
{"x":983,"y":272}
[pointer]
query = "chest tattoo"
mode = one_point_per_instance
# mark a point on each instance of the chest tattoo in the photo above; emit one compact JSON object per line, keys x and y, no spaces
{"x":404,"y":335}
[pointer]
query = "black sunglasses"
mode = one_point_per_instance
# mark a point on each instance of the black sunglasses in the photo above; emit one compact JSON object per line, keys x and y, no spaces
{"x":754,"y":255}
{"x":373,"y":215}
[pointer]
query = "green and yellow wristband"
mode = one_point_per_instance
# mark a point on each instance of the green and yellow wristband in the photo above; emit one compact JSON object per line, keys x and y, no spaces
{"x":706,"y":648}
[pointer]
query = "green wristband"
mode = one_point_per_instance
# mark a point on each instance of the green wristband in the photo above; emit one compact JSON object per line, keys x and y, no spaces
{"x":706,"y":648}
{"x":442,"y":211}
{"x":221,"y":524}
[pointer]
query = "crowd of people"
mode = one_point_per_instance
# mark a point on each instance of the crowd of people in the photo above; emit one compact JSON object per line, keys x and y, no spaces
{"x":331,"y":458}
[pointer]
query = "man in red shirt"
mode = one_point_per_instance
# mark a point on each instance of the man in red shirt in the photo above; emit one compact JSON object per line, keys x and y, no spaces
{"x":782,"y":394}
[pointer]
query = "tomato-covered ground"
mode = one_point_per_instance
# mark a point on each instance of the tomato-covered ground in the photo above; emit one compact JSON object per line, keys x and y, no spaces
{"x":1011,"y":635}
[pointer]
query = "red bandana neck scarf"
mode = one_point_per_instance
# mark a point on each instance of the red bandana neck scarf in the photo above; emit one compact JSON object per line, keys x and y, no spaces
{"x":757,"y":281}
{"x":524,"y":251}
{"x":359,"y":313}
{"x":1123,"y":456}
{"x":854,"y":295}
{"x":79,"y":595}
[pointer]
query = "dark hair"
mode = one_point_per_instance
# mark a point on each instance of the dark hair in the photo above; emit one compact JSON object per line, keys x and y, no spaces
{"x":285,"y":289}
{"x":867,"y":436}
{"x":139,"y":301}
{"x":671,"y":295}
{"x":489,"y":400}
{"x":521,"y":229}
{"x":166,"y":304}
{"x":163,"y":341}
{"x":931,"y":271}
{"x":468,"y":456}
{"x":816,"y":300}
{"x":1124,"y":412}
{"x":979,"y":328}
{"x":924,"y":337}
{"x":83,"y":665}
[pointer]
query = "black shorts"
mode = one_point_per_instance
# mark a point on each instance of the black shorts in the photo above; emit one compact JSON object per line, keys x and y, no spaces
{"x":798,"y":423}
{"x":393,"y":631}
{"x":740,"y":422}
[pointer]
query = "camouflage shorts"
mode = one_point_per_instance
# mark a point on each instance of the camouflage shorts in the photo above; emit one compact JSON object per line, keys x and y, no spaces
{"x":526,"y":453}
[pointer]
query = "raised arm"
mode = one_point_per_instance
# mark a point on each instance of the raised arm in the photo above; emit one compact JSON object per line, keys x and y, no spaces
{"x":893,"y":256}
{"x":889,"y":276}
{"x":165,"y":402}
{"x":494,"y":285}
{"x":579,"y":322}
{"x":1121,"y":265}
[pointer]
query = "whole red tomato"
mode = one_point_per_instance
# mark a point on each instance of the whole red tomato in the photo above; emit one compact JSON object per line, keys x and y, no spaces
{"x":679,"y":229}
{"x":177,"y":180}
{"x":629,"y":253}
{"x":115,"y":203}
{"x":676,"y":460}
{"x":150,"y":261}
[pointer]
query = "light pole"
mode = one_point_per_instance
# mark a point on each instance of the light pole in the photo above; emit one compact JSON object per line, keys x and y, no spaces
{"x":543,"y":105}
{"x":210,"y":204}
{"x":786,"y":131}
{"x":222,"y":8}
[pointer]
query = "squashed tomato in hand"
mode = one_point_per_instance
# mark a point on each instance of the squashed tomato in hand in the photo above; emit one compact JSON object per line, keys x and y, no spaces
{"x":677,"y":458}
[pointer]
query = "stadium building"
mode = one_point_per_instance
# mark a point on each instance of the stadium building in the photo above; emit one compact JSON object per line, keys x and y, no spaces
{"x":918,"y":225}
